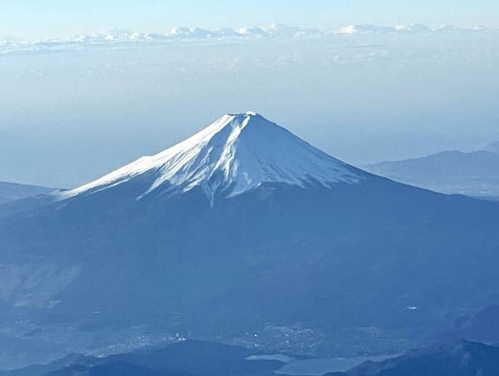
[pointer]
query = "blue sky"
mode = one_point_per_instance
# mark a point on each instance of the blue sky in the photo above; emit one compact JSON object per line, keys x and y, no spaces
{"x":52,"y":18}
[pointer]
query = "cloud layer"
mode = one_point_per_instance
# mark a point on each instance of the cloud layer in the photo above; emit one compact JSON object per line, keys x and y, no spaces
{"x":190,"y":34}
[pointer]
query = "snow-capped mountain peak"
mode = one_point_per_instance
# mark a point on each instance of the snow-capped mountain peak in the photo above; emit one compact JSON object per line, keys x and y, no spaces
{"x":234,"y":154}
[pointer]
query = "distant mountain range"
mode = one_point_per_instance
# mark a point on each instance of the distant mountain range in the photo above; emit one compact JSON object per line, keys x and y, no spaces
{"x":242,"y":233}
{"x":13,"y":191}
{"x":473,"y":174}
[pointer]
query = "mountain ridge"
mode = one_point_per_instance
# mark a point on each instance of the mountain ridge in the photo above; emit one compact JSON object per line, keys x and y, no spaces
{"x":461,"y":358}
{"x":471,"y":173}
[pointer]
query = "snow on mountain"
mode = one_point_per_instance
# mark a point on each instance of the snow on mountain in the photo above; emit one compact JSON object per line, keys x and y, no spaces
{"x":235,"y":154}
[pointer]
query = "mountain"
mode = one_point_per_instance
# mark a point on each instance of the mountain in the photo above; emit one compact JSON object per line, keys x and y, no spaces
{"x":188,"y":358}
{"x":456,"y":359}
{"x":13,"y":191}
{"x":244,"y":233}
{"x":480,"y":326}
{"x":234,"y":155}
{"x":473,"y":174}
{"x":483,"y":326}
{"x":199,"y":358}
{"x":493,"y":147}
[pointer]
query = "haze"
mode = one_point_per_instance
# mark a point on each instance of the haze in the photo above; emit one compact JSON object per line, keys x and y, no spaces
{"x":70,"y":114}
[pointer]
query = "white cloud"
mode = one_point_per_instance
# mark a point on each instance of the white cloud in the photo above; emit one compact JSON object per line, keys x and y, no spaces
{"x":179,"y":34}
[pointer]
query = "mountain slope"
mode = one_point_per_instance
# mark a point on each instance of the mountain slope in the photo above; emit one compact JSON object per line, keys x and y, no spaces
{"x":228,"y":247}
{"x":235,"y":154}
{"x":13,"y":191}
{"x":456,"y":359}
{"x":474,"y":174}
{"x":493,"y":147}
{"x":194,"y":358}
